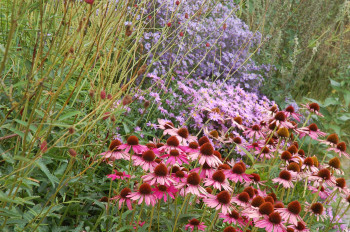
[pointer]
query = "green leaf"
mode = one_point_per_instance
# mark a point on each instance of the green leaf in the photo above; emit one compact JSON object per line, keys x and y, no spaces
{"x":126,"y":128}
{"x":53,"y":179}
{"x":68,"y":115}
{"x":25,"y":124}
{"x":247,"y":153}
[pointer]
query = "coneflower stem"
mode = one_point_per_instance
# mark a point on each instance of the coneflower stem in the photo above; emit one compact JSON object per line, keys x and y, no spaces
{"x":150,"y":222}
{"x":214,"y":220}
{"x":287,"y":194}
{"x":177,"y":217}
{"x":158,"y":207}
{"x":305,"y":186}
{"x":138,"y":220}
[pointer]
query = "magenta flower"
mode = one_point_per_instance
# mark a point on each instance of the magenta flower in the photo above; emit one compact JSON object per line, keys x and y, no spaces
{"x":195,"y":224}
{"x":123,"y":197}
{"x":290,"y":111}
{"x":162,"y":191}
{"x":114,"y":153}
{"x":300,"y":227}
{"x":192,"y":150}
{"x":340,"y":150}
{"x":118,"y":175}
{"x":281,"y":120}
{"x":206,"y":171}
{"x":221,"y":201}
{"x":237,"y":173}
{"x":233,"y":218}
{"x":146,"y":160}
{"x":314,"y":108}
{"x":144,"y":194}
{"x":253,"y":132}
{"x":311,"y":130}
{"x":175,"y":156}
{"x":291,"y":213}
{"x":133,"y":142}
{"x":272,"y":224}
{"x":159,"y":176}
{"x":218,"y":181}
{"x":285,"y":179}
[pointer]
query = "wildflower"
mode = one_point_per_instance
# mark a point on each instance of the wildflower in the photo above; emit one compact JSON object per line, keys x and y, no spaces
{"x":237,"y":173}
{"x":221,"y":201}
{"x":159,"y":175}
{"x":229,"y":229}
{"x":340,"y":185}
{"x":311,"y":130}
{"x":162,"y":191}
{"x":218,"y":181}
{"x":313,"y":108}
{"x":272,"y":223}
{"x":309,"y":165}
{"x":324,"y":175}
{"x":241,"y":199}
{"x":207,"y":156}
{"x":133,"y":142}
{"x":165,"y":125}
{"x":146,"y":160}
{"x":172,"y":143}
{"x":144,"y":194}
{"x":280,"y":119}
{"x":191,"y":185}
{"x":300,"y":227}
{"x":114,"y":152}
{"x":265,"y":153}
{"x":175,"y":156}
{"x":291,"y":213}
{"x":192,"y":149}
{"x":180,"y":176}
{"x":237,"y":122}
{"x":323,"y":193}
{"x":290,"y":111}
{"x":284,"y":178}
{"x":340,"y":150}
{"x":253,"y":132}
{"x":233,"y":217}
{"x":316,"y":209}
{"x":195,"y":224}
{"x":332,"y":140}
{"x":118,"y":175}
{"x":124,"y":197}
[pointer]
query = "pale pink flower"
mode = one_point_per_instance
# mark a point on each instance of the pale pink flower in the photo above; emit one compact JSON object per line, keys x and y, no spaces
{"x":253,"y":132}
{"x":191,"y":185}
{"x":176,"y":157}
{"x":182,"y":135}
{"x":118,"y":175}
{"x":272,"y":224}
{"x":207,"y":156}
{"x":221,"y":201}
{"x":144,"y":194}
{"x":195,"y":224}
{"x":218,"y":181}
{"x":311,"y":130}
{"x":114,"y":153}
{"x":284,"y":178}
{"x":340,"y":150}
{"x":159,"y":175}
{"x":290,"y":111}
{"x":233,"y":218}
{"x":237,"y":173}
{"x":146,"y":160}
{"x":291,"y":213}
{"x":314,"y":108}
{"x":133,"y":142}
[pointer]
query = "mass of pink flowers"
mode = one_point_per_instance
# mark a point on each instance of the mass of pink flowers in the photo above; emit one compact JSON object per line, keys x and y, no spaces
{"x":280,"y":184}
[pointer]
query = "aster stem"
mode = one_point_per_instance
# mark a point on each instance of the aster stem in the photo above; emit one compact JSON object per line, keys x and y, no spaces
{"x":177,"y":217}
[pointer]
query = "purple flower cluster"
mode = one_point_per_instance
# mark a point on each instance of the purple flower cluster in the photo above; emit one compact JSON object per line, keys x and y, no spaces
{"x":206,"y":39}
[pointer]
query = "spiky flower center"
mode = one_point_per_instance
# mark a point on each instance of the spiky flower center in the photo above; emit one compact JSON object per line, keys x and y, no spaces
{"x":313,"y":127}
{"x":317,"y":208}
{"x":256,"y":177}
{"x":334,"y":162}
{"x":293,"y":167}
{"x":214,"y":133}
{"x":193,"y":179}
{"x":280,"y":116}
{"x":234,"y":214}
{"x":285,"y":175}
{"x":314,"y":106}
{"x":250,"y":191}
{"x":257,"y":201}
{"x":244,"y":197}
{"x":161,"y":170}
{"x":169,"y":125}
{"x":224,"y":197}
{"x":286,"y":155}
{"x":148,"y":156}
{"x":125,"y":192}
{"x":238,"y":120}
{"x":256,"y":128}
{"x":341,"y":183}
{"x":237,"y":169}
{"x":162,"y":188}
{"x":294,"y":207}
{"x":300,"y":226}
{"x":183,"y":132}
{"x":275,"y":218}
{"x":174,"y":152}
{"x":219,"y":176}
{"x":114,"y":145}
{"x":324,"y":174}
{"x":293,"y":149}
{"x":309,"y":161}
{"x":203,"y":140}
{"x":193,"y":145}
{"x":180,"y":174}
{"x":341,"y":146}
{"x":194,"y":222}
{"x":333,"y":138}
{"x":132,"y":140}
{"x":173,"y":141}
{"x":237,"y":140}
{"x":290,"y":109}
{"x":266,"y":208}
{"x":207,"y":149}
{"x":145,"y":189}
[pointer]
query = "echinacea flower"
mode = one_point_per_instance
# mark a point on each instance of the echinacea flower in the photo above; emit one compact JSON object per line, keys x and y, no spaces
{"x":159,"y":175}
{"x":165,"y":125}
{"x":313,"y":108}
{"x":272,"y":223}
{"x":233,"y":218}
{"x":290,"y":111}
{"x":324,"y":175}
{"x":332,"y":140}
{"x":123,"y":197}
{"x":191,"y":185}
{"x":172,"y":143}
{"x":162,"y":191}
{"x":340,"y":185}
{"x":195,"y":224}
{"x":207,"y":156}
{"x":311,"y":130}
{"x":300,"y":227}
{"x":317,"y":210}
{"x":241,"y":199}
{"x":237,"y":173}
{"x":144,"y":194}
{"x":218,"y":181}
{"x":146,"y":160}
{"x":206,"y":171}
{"x":323,"y":193}
{"x":221,"y":201}
{"x":284,"y":178}
{"x":237,"y":122}
{"x":291,"y":213}
{"x":115,"y":153}
{"x":253,"y":132}
{"x":175,"y":157}
{"x":192,"y":150}
{"x":118,"y":175}
{"x":133,"y":142}
{"x":308,"y":165}
{"x":182,"y":135}
{"x":334,"y":165}
{"x":340,"y":149}
{"x":280,"y":120}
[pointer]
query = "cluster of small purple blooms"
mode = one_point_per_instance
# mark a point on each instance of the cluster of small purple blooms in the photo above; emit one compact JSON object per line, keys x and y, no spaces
{"x":205,"y":38}
{"x":192,"y":169}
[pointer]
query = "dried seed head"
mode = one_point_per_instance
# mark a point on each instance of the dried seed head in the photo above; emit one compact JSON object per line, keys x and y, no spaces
{"x":266,"y":208}
{"x":103,"y":94}
{"x":172,"y":141}
{"x":207,"y":149}
{"x":132,"y":140}
{"x":203,"y":140}
{"x":224,"y":197}
{"x":286,"y":155}
{"x":145,"y":189}
{"x":334,"y":162}
{"x":193,"y":178}
{"x":317,"y":208}
{"x":294,"y":207}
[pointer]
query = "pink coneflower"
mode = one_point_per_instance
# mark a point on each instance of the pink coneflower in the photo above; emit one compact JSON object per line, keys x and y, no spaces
{"x":218,"y":181}
{"x":124,"y":197}
{"x":221,"y":201}
{"x":332,"y":140}
{"x":237,"y":173}
{"x":291,"y":213}
{"x":284,"y":178}
{"x":114,"y":153}
{"x":206,"y":171}
{"x":192,"y":149}
{"x":334,"y":165}
{"x":314,"y":108}
{"x":172,"y":143}
{"x":317,"y":210}
{"x":311,"y":130}
{"x":324,"y":175}
{"x":265,"y":153}
{"x":253,"y":132}
{"x":159,"y":176}
{"x":324,"y":193}
{"x":255,"y":146}
{"x":241,"y":199}
{"x":146,"y":161}
{"x":165,"y":125}
{"x":280,"y":120}
{"x":340,"y":185}
{"x":340,"y":150}
{"x":179,"y":176}
{"x":162,"y":191}
{"x":233,"y":218}
{"x":182,"y":135}
{"x":255,"y":179}
{"x":118,"y":175}
{"x":308,"y":165}
{"x":191,"y":185}
{"x":207,"y":156}
{"x":272,"y":223}
{"x":175,"y":156}
{"x":237,"y":122}
{"x":195,"y":224}
{"x":290,"y":111}
{"x":300,"y":227}
{"x":253,"y":210}
{"x":153,"y":146}
{"x":133,"y":142}
{"x":144,"y":194}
